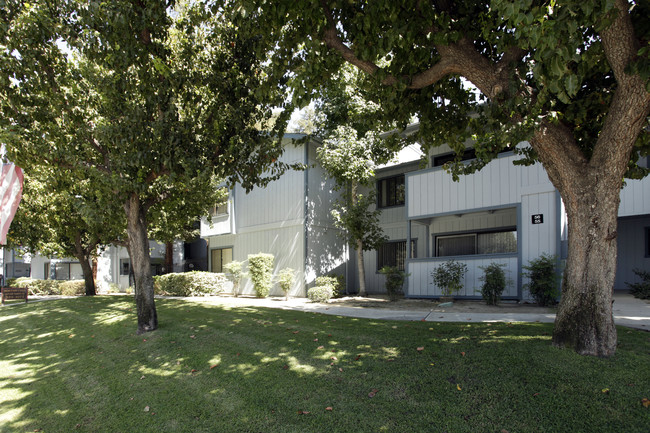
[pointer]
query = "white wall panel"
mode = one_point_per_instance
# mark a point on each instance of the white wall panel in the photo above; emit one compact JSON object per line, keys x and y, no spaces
{"x":420,"y":281}
{"x":635,"y":198}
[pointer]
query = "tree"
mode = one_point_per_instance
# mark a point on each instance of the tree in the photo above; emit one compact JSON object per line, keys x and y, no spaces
{"x":347,"y":159}
{"x":59,"y":216}
{"x":570,"y":77}
{"x":156,"y":98}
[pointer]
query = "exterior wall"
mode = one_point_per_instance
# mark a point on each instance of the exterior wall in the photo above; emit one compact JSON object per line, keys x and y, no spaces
{"x":498,"y":196}
{"x":286,"y":243}
{"x":633,"y":240}
{"x":635,"y":198}
{"x":326,"y":250}
{"x":289,"y":218}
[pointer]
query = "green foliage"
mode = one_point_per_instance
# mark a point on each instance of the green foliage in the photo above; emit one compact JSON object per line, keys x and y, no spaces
{"x":286,"y":278}
{"x":335,"y":281}
{"x":543,"y":285}
{"x":73,"y":288}
{"x":39,"y":287}
{"x":494,"y":282}
{"x":194,"y":283}
{"x":236,"y":272}
{"x":321,"y":294}
{"x":449,"y":276}
{"x":641,"y":289}
{"x":260,"y":271}
{"x":394,"y":281}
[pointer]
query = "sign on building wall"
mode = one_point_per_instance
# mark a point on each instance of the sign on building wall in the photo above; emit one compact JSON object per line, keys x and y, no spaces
{"x":537,"y":218}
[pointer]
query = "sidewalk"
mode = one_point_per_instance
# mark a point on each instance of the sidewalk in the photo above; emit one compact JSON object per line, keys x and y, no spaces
{"x":628,"y":311}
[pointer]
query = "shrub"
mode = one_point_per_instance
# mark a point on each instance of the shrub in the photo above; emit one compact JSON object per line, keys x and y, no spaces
{"x":285,"y":279}
{"x":235,"y":269}
{"x":321,"y":294}
{"x":641,"y":290}
{"x":260,"y":270}
{"x":394,"y":281}
{"x":73,"y":287}
{"x":39,"y":287}
{"x":335,"y":281}
{"x":543,"y":280}
{"x":449,"y":276}
{"x":194,"y":283}
{"x":494,"y":282}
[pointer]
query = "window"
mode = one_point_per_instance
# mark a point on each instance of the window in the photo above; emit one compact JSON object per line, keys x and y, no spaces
{"x":647,"y":241}
{"x":391,"y":191}
{"x":477,"y":243}
{"x":438,"y":160}
{"x":220,"y":257}
{"x":125,"y":266}
{"x":220,"y":209}
{"x":61,"y":271}
{"x":393,"y":253}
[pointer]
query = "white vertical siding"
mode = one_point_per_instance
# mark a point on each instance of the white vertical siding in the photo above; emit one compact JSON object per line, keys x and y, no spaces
{"x":281,"y":200}
{"x":497,"y":184}
{"x":635,"y":198}
{"x":420,"y":281}
{"x":285,"y":243}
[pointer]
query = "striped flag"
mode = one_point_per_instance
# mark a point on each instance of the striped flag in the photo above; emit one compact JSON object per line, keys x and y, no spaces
{"x":11,"y":191}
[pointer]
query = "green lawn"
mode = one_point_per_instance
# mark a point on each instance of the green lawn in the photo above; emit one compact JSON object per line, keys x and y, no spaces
{"x":77,"y":365}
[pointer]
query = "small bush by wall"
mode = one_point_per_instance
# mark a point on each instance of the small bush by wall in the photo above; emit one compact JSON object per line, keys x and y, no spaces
{"x":394,"y":282}
{"x":235,"y":269}
{"x":194,"y":283}
{"x":260,"y":271}
{"x":543,"y":280}
{"x":285,"y":280}
{"x":494,"y":283}
{"x":335,"y":281}
{"x":321,"y":294}
{"x":641,"y":290}
{"x":73,"y":287}
{"x":449,"y":276}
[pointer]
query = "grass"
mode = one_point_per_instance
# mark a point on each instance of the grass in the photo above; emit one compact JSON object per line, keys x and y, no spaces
{"x":76,"y":365}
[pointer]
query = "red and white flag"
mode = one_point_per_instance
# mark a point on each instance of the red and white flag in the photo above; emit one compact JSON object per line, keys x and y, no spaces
{"x":11,"y":191}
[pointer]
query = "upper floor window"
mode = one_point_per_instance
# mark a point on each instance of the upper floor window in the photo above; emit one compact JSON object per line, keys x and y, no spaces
{"x":220,"y":209}
{"x":390,"y":191}
{"x":438,"y":160}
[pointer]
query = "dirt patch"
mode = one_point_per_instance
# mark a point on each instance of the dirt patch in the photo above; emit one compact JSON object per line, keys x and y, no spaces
{"x":460,"y":306}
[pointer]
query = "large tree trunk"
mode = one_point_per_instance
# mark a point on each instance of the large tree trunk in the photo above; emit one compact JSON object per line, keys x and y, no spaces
{"x":136,"y":228}
{"x":83,"y":256}
{"x":361,"y":268}
{"x":584,"y":320}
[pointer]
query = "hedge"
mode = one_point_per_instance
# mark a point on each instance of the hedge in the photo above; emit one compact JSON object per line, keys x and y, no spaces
{"x":194,"y":283}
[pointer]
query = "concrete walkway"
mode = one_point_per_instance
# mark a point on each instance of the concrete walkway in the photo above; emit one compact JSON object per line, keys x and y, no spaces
{"x":628,"y":311}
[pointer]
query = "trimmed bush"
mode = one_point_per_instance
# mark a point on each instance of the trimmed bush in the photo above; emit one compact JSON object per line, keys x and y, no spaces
{"x":449,"y":276}
{"x":494,"y":282}
{"x":235,"y":269}
{"x":194,"y":283}
{"x":260,"y":271}
{"x":394,"y":282}
{"x":73,"y":287}
{"x":39,"y":287}
{"x":285,"y":280}
{"x":335,"y":281}
{"x":543,"y":280}
{"x":321,"y":294}
{"x":641,"y":290}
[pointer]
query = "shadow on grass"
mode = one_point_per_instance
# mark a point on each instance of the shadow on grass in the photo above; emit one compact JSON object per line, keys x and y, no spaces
{"x":77,"y":365}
